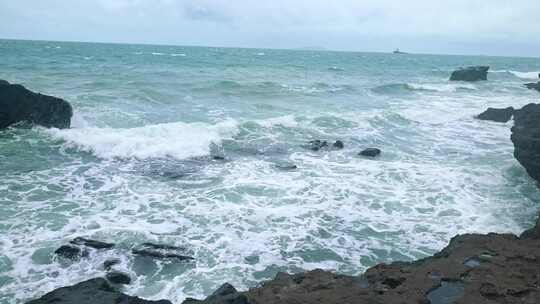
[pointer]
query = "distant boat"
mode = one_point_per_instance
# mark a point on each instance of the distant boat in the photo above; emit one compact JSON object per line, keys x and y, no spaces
{"x":397,"y":51}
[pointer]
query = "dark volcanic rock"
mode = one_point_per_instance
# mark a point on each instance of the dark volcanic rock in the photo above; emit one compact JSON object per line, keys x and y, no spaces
{"x":108,"y":264}
{"x":94,"y":291}
{"x":226,"y":294}
{"x":370,"y":152}
{"x":17,"y":104}
{"x":473,"y":73}
{"x":509,"y":271}
{"x":71,"y":252}
{"x":117,"y":277}
{"x":526,"y":138}
{"x":497,"y":115}
{"x":338,"y":144}
{"x":316,"y":145}
{"x":533,"y":86}
{"x":162,"y":251}
{"x":91,"y":243}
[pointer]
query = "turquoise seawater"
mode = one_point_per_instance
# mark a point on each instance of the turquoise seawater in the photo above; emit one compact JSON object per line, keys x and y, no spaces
{"x":137,"y":165}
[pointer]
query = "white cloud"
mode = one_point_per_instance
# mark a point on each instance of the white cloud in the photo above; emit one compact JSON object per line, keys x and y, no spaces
{"x":344,"y":24}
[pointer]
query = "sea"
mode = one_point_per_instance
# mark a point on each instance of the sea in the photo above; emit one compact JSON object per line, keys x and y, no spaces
{"x":207,"y":148}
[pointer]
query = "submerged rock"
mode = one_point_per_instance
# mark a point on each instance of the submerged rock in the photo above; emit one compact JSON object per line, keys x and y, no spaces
{"x":286,"y":166}
{"x":162,"y":251}
{"x":526,"y":138}
{"x":18,"y":104}
{"x":71,"y":252}
{"x":497,"y":115}
{"x":226,"y":294}
{"x":117,"y":277}
{"x":370,"y":152}
{"x":91,"y":243}
{"x":94,"y":291}
{"x":533,"y":86}
{"x":473,"y":73}
{"x":316,"y":145}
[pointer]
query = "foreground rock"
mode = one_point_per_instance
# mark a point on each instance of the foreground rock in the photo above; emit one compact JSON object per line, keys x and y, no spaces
{"x":473,"y":268}
{"x":473,"y":73}
{"x":526,"y":139}
{"x":497,"y":115}
{"x":533,"y":86}
{"x":17,"y":104}
{"x":226,"y":294}
{"x":94,"y":291}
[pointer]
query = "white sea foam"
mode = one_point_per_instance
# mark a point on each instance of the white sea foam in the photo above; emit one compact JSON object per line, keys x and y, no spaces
{"x":179,"y":140}
{"x":522,"y":75}
{"x":179,"y":55}
{"x":158,"y":54}
{"x":445,"y":87}
{"x":288,"y":121}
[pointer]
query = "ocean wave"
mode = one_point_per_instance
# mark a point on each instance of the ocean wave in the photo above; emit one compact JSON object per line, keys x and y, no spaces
{"x":522,"y":75}
{"x":396,"y":88}
{"x":178,"y":140}
{"x":288,"y":121}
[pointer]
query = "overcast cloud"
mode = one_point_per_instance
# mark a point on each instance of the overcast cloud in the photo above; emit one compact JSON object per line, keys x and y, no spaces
{"x":492,"y":27}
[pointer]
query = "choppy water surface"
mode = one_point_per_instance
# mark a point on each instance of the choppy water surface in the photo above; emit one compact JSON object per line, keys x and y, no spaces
{"x":137,"y":165}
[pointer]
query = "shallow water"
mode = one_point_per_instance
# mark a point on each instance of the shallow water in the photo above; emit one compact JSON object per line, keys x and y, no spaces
{"x":137,"y":165}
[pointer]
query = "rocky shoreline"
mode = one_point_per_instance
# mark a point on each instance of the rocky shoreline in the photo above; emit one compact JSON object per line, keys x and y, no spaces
{"x":472,"y":268}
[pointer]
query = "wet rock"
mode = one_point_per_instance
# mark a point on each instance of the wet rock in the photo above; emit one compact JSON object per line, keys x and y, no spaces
{"x":71,"y":252}
{"x":370,"y":152}
{"x":446,"y":293}
{"x":91,"y":243}
{"x":4,"y":82}
{"x":472,"y":73}
{"x":18,"y":104}
{"x":118,"y":277}
{"x":93,"y":291}
{"x":497,"y":115}
{"x":533,"y":86}
{"x":316,"y":145}
{"x":526,"y":138}
{"x":226,"y":294}
{"x":108,"y":264}
{"x":338,"y":144}
{"x":533,"y":233}
{"x":162,"y":251}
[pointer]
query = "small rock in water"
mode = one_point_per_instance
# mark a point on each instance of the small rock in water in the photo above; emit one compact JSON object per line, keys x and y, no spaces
{"x":108,"y":264}
{"x":286,"y":166}
{"x":316,"y":145}
{"x":338,"y":144}
{"x":533,"y":86}
{"x":91,"y":243}
{"x":473,"y":73}
{"x":370,"y":152}
{"x":117,"y":277}
{"x":71,"y":252}
{"x":161,"y":251}
{"x":497,"y":115}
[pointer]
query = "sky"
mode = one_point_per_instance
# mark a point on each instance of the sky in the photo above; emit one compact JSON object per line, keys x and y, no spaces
{"x":484,"y":27}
